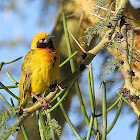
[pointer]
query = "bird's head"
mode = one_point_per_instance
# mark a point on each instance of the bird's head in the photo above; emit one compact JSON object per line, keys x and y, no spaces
{"x":42,"y":40}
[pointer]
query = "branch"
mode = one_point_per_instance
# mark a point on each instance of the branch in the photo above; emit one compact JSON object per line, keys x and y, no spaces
{"x":128,"y":71}
{"x":4,"y":63}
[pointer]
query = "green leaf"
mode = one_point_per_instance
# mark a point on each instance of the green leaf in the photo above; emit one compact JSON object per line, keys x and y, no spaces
{"x":102,"y":2}
{"x":91,"y":31}
{"x":109,"y":66}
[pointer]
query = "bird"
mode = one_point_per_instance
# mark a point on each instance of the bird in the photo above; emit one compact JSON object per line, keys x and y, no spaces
{"x":39,"y":68}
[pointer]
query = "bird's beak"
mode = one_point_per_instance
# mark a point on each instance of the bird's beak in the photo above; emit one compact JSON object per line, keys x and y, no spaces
{"x":48,"y":38}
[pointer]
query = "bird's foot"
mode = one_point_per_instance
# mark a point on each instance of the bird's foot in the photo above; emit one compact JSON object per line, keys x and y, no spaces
{"x":44,"y":100}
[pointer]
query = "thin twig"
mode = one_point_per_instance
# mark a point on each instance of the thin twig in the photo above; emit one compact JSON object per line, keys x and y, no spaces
{"x":116,"y":117}
{"x":92,"y":96}
{"x":68,"y":120}
{"x":90,"y":127}
{"x":3,"y":63}
{"x":73,"y":69}
{"x":12,"y":94}
{"x":138,"y":132}
{"x":4,"y":100}
{"x":12,"y":79}
{"x":104,"y":112}
{"x":132,"y":19}
{"x":14,"y":86}
{"x":67,"y":60}
{"x":13,"y":60}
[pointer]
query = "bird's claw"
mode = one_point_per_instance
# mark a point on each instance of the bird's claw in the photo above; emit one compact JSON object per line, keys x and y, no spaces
{"x":44,"y":100}
{"x":46,"y":103}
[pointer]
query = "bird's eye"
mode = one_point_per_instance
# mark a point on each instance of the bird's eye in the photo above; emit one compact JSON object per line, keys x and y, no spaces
{"x":46,"y":40}
{"x":40,"y":41}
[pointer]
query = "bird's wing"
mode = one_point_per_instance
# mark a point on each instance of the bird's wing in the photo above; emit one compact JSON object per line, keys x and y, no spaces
{"x":26,"y":74}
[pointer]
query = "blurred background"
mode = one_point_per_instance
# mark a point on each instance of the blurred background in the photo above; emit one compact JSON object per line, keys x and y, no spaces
{"x":20,"y":22}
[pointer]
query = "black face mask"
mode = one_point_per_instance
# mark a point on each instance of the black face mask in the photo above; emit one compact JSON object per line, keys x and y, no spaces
{"x":49,"y":44}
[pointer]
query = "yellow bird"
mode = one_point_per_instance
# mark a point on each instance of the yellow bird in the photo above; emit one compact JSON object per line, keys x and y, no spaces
{"x":40,"y":67}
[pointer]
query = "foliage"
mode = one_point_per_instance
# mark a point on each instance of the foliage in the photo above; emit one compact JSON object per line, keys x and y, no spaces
{"x":114,"y":45}
{"x":99,"y":26}
{"x":94,"y":30}
{"x":10,"y":131}
{"x":6,"y":116}
{"x":102,"y":2}
{"x":108,"y":66}
{"x":52,"y":125}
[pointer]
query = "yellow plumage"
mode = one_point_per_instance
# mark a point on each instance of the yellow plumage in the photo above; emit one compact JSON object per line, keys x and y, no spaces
{"x":40,"y":67}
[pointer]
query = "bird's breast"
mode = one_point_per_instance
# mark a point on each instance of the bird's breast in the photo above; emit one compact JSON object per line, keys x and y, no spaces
{"x":45,"y":69}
